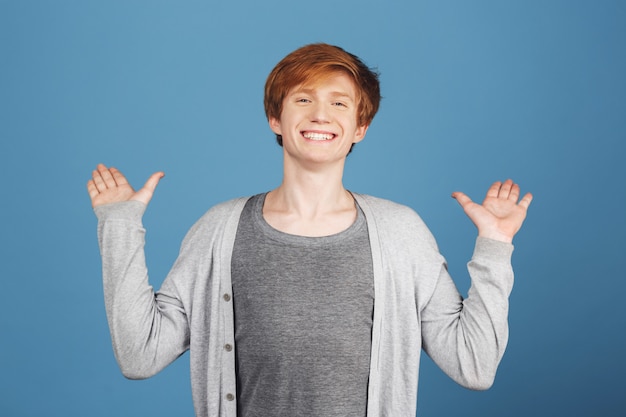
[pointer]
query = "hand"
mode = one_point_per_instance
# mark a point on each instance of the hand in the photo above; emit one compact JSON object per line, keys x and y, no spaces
{"x":108,"y":185}
{"x":500,"y":216}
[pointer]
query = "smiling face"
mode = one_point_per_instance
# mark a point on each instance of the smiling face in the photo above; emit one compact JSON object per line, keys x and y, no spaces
{"x":319,"y":122}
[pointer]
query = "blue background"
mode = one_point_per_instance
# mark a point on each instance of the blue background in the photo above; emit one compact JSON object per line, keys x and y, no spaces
{"x":473,"y":92}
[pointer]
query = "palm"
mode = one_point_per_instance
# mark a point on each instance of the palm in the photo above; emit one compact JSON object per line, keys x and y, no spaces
{"x":500,"y":216}
{"x":108,"y":185}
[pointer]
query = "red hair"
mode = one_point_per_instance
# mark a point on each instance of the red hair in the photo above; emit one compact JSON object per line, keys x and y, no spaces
{"x":313,"y":63}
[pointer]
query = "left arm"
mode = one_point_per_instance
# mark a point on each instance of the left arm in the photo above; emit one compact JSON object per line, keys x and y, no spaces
{"x":467,"y":337}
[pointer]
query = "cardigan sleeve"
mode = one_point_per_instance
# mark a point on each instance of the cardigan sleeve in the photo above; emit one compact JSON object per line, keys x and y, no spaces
{"x":148,"y":330}
{"x":466,"y":338}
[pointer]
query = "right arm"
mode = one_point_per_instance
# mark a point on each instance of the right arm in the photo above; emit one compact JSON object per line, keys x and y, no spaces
{"x":148,"y":330}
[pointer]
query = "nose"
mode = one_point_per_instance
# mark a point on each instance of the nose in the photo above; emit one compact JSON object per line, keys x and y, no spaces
{"x":319,"y":113}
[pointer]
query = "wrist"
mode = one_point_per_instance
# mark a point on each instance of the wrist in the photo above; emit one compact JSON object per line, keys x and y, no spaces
{"x":495,"y":235}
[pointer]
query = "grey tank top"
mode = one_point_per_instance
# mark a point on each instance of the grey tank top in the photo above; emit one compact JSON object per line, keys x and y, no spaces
{"x":303,"y":319}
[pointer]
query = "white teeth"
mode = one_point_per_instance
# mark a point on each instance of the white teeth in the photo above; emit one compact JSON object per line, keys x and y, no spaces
{"x":318,"y":136}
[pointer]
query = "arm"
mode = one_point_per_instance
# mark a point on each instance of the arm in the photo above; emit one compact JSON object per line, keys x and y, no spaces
{"x":148,"y":330}
{"x":467,"y":338}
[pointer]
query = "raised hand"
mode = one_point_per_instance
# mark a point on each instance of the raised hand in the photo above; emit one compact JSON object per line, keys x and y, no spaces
{"x":501,"y":215}
{"x":108,"y":185}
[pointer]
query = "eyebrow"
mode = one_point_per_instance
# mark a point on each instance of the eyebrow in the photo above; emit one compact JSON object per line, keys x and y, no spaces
{"x":334,"y":94}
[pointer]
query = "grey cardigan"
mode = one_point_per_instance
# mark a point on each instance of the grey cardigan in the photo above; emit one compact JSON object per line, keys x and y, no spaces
{"x":417,"y":306}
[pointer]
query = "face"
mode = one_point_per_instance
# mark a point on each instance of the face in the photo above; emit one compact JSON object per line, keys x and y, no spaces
{"x":318,"y":123}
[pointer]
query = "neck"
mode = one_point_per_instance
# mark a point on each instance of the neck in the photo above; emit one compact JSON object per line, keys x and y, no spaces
{"x":310,"y":202}
{"x":310,"y":190}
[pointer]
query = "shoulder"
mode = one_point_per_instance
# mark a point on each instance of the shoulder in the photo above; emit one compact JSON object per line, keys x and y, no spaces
{"x":382,"y":204}
{"x":389,"y":212}
{"x":223,"y":217}
{"x":225,"y":209}
{"x":395,"y":221}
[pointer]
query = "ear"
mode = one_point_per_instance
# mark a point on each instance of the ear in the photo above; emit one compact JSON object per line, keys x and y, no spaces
{"x":360,"y":133}
{"x":275,"y":125}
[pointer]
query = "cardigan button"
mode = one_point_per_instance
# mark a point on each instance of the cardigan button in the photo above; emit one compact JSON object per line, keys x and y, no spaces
{"x":226,"y":297}
{"x":230,"y":397}
{"x":228,"y":347}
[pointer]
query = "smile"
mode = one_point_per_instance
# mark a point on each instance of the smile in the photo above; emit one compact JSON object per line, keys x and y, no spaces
{"x":318,"y":136}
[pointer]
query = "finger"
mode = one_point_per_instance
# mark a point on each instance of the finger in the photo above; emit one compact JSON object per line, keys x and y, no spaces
{"x":145,"y":193}
{"x":118,"y":177}
{"x":98,"y":181}
{"x":494,"y":189}
{"x":107,"y":178}
{"x":462,"y":199}
{"x":526,"y":200}
{"x":514,"y":193}
{"x":153,"y":181}
{"x":505,"y":189}
{"x":92,"y":189}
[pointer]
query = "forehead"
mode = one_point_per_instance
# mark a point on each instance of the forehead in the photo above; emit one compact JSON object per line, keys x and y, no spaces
{"x":334,"y":83}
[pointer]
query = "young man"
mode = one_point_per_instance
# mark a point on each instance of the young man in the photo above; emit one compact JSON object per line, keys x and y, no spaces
{"x":309,"y":299}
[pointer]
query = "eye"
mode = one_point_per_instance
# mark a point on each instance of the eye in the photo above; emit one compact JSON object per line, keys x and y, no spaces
{"x":303,"y":100}
{"x":339,"y":104}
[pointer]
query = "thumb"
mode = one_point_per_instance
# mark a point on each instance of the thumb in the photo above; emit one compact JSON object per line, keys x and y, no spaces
{"x":462,"y":199}
{"x":145,"y":194}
